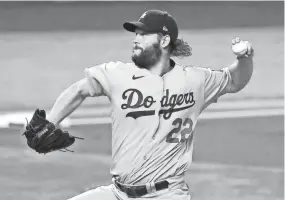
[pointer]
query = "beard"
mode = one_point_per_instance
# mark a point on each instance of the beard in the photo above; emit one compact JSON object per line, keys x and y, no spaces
{"x":147,"y":57}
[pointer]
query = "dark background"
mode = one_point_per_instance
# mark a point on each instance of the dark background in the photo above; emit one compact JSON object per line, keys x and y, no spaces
{"x":57,"y":16}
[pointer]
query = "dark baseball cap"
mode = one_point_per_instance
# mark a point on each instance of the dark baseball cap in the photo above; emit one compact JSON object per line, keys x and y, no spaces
{"x":155,"y":21}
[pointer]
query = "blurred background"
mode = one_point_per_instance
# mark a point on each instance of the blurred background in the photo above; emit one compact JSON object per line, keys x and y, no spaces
{"x":45,"y":47}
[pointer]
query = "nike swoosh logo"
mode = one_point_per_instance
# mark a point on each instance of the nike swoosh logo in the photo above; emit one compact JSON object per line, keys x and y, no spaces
{"x":137,"y":77}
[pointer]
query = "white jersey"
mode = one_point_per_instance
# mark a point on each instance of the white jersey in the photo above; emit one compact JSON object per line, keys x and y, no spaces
{"x":153,"y":117}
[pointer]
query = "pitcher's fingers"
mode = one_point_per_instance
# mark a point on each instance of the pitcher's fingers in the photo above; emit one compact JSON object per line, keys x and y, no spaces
{"x":249,"y":48}
{"x":237,"y":39}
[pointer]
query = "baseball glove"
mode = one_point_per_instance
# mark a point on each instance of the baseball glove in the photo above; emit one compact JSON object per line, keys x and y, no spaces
{"x":44,"y":137}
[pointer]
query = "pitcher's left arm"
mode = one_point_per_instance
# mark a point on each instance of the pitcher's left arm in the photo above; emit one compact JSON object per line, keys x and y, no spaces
{"x":241,"y":70}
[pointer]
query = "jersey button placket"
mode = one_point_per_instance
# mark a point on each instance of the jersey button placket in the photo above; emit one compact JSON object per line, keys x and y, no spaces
{"x":158,"y":107}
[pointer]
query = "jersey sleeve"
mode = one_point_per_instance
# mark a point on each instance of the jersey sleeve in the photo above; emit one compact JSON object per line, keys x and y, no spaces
{"x":217,"y":83}
{"x":98,"y":78}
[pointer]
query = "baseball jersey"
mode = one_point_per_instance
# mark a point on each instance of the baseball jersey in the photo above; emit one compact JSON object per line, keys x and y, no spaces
{"x":153,"y":117}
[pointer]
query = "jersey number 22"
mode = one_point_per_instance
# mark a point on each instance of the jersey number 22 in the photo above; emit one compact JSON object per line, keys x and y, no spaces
{"x":186,"y":126}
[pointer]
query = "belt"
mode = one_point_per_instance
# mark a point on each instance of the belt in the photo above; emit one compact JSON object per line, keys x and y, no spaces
{"x":140,"y":190}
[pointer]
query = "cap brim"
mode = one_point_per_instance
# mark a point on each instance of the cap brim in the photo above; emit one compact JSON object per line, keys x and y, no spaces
{"x":131,"y":26}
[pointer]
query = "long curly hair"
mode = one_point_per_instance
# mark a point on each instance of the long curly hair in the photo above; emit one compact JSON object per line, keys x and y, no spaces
{"x":180,"y":49}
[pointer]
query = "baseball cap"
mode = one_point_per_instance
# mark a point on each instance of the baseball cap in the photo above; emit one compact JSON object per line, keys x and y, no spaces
{"x":155,"y":21}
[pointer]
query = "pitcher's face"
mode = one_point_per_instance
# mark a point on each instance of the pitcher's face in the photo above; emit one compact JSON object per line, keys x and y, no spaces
{"x":146,"y":49}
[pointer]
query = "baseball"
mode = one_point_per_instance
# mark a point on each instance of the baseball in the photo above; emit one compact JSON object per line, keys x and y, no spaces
{"x":240,"y":48}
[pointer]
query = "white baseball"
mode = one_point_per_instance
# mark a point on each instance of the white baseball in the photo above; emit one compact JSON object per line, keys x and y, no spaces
{"x":240,"y":48}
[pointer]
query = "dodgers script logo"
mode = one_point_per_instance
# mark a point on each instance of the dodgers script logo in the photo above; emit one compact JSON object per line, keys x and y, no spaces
{"x":174,"y":102}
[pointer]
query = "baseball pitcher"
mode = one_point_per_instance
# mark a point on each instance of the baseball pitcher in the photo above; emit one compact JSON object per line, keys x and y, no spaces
{"x":155,"y":106}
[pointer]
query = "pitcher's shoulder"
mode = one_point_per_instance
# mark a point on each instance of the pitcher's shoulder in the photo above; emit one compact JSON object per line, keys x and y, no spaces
{"x":119,"y":65}
{"x":195,"y":72}
{"x":113,"y":66}
{"x":193,"y":68}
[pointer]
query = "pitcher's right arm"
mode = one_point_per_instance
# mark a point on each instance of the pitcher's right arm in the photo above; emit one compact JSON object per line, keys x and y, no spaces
{"x":95,"y":83}
{"x":71,"y":98}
